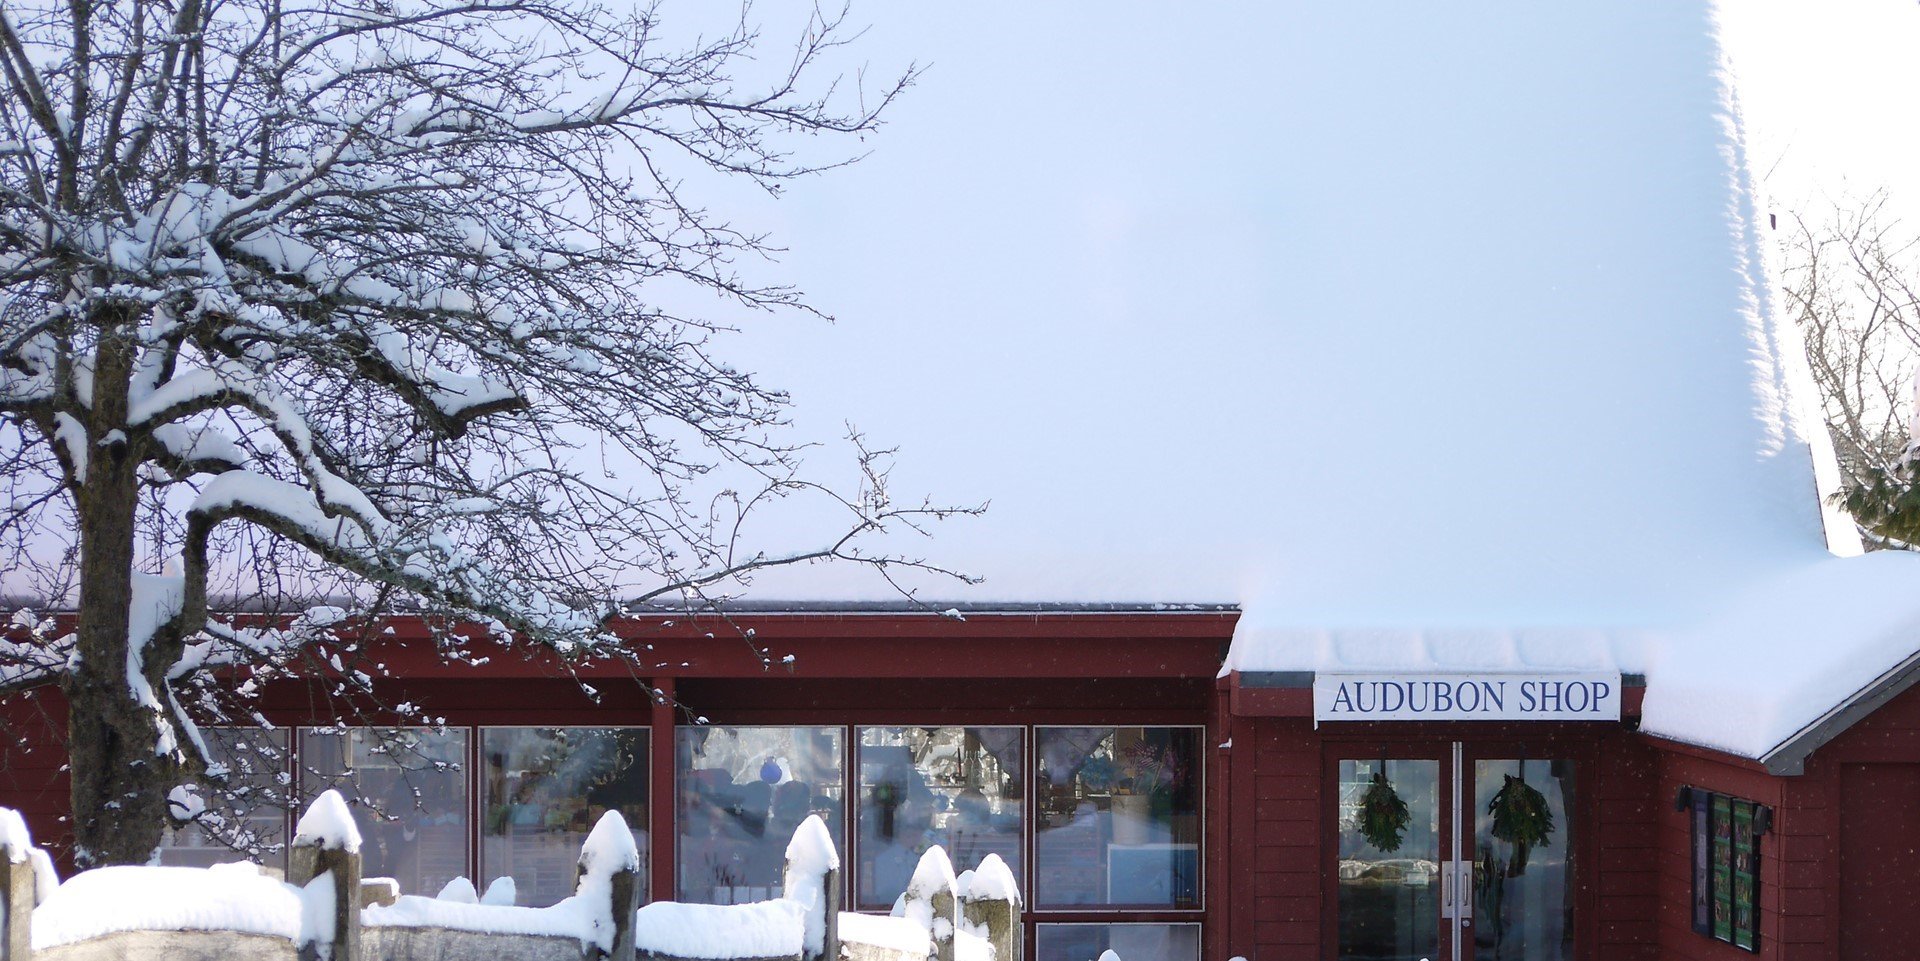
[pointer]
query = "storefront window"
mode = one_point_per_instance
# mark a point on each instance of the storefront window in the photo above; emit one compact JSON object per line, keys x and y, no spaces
{"x":543,"y":789}
{"x":743,"y":790}
{"x":958,"y":787}
{"x":408,"y":788}
{"x":1118,"y":817}
{"x":1132,"y":942}
{"x":247,"y":819}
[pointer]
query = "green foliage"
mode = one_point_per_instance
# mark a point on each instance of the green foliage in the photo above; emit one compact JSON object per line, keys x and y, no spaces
{"x":1886,"y":501}
{"x":1383,"y":816}
{"x":1522,"y":818}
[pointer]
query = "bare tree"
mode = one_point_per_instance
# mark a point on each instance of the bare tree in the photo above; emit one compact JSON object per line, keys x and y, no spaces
{"x":391,"y":300}
{"x":1853,"y":283}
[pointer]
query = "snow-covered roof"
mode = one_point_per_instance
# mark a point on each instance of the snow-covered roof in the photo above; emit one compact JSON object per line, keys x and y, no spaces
{"x":1433,"y":340}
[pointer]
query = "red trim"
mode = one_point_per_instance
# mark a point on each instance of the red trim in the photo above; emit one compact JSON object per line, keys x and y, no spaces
{"x":1706,"y":754}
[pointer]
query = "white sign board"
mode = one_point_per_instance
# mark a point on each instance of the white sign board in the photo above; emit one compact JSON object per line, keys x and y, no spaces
{"x":1466,"y":697}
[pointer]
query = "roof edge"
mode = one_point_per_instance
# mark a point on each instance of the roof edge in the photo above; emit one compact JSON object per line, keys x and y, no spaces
{"x":1789,"y":757}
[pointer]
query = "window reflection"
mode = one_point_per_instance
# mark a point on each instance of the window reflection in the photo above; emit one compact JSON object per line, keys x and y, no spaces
{"x":1118,"y":817}
{"x":542,"y":791}
{"x":1132,"y":942}
{"x":408,"y":789}
{"x":921,"y":786}
{"x":247,"y":819}
{"x":743,"y":790}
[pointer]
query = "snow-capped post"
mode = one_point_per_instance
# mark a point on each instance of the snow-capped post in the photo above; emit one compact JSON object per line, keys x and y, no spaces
{"x":990,"y":907}
{"x":17,"y":895}
{"x":327,"y":842}
{"x":930,"y":900}
{"x":610,"y":870}
{"x":812,"y":878}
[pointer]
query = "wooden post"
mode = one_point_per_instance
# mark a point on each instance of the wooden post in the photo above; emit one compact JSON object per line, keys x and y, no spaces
{"x":307,"y":861}
{"x":815,"y":884}
{"x":625,"y":893}
{"x":327,"y":842}
{"x":999,"y":920}
{"x":931,"y":894}
{"x":16,"y":900}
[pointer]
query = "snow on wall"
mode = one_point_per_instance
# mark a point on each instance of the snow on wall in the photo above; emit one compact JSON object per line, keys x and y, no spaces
{"x":765,"y":929}
{"x":890,"y":933}
{"x":227,"y":897}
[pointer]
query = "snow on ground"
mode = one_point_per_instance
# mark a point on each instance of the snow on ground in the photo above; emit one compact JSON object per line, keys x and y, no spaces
{"x":228,"y":897}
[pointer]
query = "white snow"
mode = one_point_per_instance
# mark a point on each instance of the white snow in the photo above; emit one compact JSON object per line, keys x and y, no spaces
{"x":503,"y":891}
{"x":933,"y":875}
{"x":15,"y":839}
{"x":992,"y":880}
{"x":968,"y":946}
{"x":581,"y":917}
{"x":459,"y":891}
{"x":1784,"y":654}
{"x":891,"y":933}
{"x":227,"y":897}
{"x":1262,"y":646}
{"x":765,"y":929}
{"x":328,"y":823}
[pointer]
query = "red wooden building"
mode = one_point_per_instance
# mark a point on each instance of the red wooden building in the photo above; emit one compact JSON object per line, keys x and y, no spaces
{"x":1148,"y":801}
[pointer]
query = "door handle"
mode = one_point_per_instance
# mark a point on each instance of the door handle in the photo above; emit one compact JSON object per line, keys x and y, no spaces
{"x":1446,"y":891}
{"x":1463,"y":902}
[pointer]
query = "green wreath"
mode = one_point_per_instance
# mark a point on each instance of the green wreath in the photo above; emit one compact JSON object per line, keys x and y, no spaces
{"x":1383,"y":816}
{"x":1522,"y":818}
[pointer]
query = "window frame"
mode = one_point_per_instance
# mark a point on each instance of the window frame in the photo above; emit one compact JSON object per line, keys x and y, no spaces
{"x":1706,"y":874}
{"x":476,"y":760}
{"x":850,"y":809}
{"x":846,"y":793}
{"x":1030,"y":884}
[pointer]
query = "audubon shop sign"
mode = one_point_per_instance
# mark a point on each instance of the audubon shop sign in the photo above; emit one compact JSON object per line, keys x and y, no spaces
{"x":1466,"y":697}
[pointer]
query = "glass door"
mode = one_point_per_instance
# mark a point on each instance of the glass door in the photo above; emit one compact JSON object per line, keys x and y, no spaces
{"x":1454,"y":852}
{"x":1522,"y":856}
{"x":1390,"y":826}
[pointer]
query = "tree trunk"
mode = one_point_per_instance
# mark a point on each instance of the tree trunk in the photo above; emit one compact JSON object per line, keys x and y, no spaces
{"x":120,"y":779}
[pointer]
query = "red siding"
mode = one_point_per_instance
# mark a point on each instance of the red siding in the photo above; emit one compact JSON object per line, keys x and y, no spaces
{"x":33,"y":767}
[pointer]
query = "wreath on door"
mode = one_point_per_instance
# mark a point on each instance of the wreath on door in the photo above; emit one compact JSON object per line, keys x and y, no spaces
{"x":1383,"y":816}
{"x":1521,"y":817}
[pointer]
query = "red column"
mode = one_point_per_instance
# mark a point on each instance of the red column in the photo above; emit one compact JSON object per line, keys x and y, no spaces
{"x":661,"y":870}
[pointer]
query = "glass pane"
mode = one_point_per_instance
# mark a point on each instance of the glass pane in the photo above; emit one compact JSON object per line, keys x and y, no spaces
{"x":1132,"y":942}
{"x":1523,"y":873}
{"x":542,"y":789}
{"x":408,"y":788}
{"x":1389,"y":871}
{"x":247,"y":821}
{"x":1118,"y":817}
{"x":958,"y":787}
{"x":742,"y":792}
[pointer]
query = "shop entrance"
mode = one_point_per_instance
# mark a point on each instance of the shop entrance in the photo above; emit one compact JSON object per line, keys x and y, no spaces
{"x":1454,"y":851}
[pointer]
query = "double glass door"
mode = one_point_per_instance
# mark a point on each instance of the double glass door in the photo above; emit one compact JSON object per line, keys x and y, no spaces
{"x":1455,"y":852}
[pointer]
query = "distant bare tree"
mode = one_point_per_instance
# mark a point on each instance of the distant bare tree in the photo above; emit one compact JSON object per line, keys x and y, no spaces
{"x":391,"y":300}
{"x":1853,"y":285}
